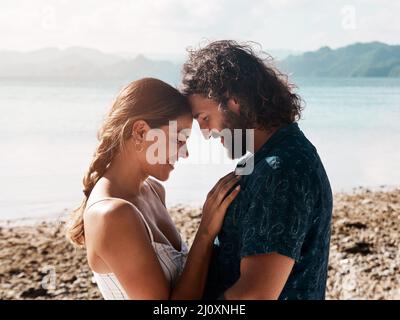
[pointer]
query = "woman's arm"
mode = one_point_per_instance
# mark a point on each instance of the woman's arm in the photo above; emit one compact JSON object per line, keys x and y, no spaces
{"x":192,"y":280}
{"x":121,"y":240}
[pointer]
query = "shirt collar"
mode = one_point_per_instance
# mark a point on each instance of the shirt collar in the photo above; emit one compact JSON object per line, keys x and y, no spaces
{"x":276,"y":138}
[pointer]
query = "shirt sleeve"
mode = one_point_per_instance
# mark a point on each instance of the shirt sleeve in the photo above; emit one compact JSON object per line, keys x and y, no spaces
{"x":277,"y":217}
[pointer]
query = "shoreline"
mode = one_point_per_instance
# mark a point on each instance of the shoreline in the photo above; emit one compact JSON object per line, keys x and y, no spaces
{"x":364,"y":255}
{"x":62,"y":214}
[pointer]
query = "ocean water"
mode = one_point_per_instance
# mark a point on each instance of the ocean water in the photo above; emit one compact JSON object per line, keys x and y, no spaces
{"x":48,"y":134}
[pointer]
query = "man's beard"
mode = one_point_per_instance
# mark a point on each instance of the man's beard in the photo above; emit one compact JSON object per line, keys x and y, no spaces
{"x":238,"y":145}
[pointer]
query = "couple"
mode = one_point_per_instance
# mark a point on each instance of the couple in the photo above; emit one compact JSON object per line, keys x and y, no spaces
{"x":263,"y":235}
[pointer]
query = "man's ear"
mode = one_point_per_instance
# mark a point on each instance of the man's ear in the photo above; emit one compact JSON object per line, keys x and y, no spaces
{"x":139,"y":130}
{"x":233,"y":105}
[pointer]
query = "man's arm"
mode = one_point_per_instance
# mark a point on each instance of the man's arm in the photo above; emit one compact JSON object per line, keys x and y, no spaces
{"x":273,"y":230}
{"x":262,"y":277}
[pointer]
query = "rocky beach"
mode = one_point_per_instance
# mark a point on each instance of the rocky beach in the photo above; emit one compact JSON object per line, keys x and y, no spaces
{"x":37,"y":262}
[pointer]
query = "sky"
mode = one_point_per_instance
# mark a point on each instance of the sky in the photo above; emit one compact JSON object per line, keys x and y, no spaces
{"x":162,"y":27}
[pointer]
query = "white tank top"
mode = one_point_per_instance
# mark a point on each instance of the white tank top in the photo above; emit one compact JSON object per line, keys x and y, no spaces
{"x":171,"y":260}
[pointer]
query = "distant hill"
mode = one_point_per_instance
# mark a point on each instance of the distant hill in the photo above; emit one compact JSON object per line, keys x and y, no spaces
{"x":78,"y":63}
{"x":372,"y":59}
{"x":83,"y":64}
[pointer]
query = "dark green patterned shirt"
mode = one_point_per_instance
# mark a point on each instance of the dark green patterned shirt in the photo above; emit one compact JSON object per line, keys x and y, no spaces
{"x":285,"y":206}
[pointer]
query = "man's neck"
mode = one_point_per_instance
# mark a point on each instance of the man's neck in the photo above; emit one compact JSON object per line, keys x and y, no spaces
{"x":261,"y":136}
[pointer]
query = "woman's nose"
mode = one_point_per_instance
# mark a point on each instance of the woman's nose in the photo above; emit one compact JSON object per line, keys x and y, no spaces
{"x":183,"y":152}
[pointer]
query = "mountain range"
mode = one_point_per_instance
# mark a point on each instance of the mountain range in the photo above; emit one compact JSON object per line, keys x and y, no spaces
{"x":77,"y":63}
{"x":372,"y":59}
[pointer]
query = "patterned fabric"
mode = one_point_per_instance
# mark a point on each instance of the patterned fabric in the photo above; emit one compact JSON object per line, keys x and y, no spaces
{"x":285,"y":206}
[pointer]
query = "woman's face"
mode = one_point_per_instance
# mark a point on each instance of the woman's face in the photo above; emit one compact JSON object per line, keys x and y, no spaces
{"x":164,"y":146}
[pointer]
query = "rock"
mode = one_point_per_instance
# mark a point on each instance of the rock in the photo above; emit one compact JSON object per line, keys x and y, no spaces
{"x":360,"y":247}
{"x":356,"y":225}
{"x":34,"y":293}
{"x":366,"y":201}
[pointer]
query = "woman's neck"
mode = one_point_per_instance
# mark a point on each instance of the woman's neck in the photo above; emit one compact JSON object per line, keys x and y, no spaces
{"x":125,"y":179}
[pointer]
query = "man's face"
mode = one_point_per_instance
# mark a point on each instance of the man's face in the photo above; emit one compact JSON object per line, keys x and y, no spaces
{"x":220,"y":123}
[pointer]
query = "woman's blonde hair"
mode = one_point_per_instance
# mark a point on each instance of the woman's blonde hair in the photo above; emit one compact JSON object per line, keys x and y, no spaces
{"x":148,"y":99}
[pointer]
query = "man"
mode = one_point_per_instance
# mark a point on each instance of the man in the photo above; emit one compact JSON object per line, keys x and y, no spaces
{"x":274,"y":243}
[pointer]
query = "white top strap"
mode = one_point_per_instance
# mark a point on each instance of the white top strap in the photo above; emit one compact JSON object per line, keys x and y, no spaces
{"x":136,"y":209}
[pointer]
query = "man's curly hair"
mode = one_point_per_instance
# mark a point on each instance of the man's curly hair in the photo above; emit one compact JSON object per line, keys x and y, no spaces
{"x":226,"y":69}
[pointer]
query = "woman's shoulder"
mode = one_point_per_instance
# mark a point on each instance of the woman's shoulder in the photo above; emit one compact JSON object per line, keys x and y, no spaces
{"x":115,"y":219}
{"x":106,"y":212}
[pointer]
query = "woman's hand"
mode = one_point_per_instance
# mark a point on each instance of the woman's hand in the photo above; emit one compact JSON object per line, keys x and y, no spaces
{"x":217,"y":202}
{"x":193,"y":278}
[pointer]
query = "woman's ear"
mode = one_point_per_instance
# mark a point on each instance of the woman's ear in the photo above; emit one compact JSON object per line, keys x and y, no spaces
{"x":139,"y":130}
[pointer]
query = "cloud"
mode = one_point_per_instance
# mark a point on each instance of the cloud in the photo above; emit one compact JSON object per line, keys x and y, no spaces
{"x":172,"y":25}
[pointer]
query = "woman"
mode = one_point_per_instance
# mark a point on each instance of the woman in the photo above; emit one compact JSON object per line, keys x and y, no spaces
{"x":133,"y":247}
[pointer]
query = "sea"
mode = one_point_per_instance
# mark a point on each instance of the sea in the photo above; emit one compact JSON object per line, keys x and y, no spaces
{"x":48,"y":135}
